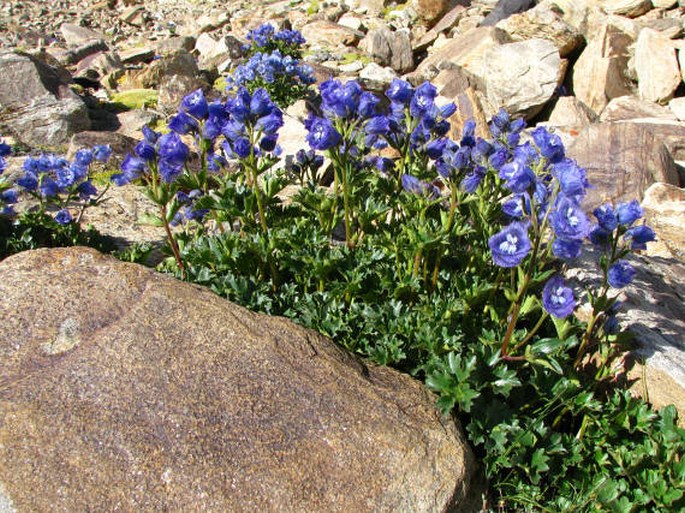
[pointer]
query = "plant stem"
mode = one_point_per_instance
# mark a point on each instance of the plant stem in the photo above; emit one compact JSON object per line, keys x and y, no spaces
{"x":172,"y":241}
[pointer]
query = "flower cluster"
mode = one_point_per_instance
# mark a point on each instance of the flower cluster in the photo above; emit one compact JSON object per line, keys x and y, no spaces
{"x":55,"y":181}
{"x":8,"y":196}
{"x":283,"y":76}
{"x":617,"y":234}
{"x":265,"y":39}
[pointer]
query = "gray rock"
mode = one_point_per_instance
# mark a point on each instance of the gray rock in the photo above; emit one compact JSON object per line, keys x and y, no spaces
{"x":522,"y":77}
{"x":330,"y":35}
{"x":173,"y":44}
{"x":375,"y":77}
{"x":75,"y":35}
{"x":131,"y":122}
{"x":389,"y":48}
{"x":243,"y":412}
{"x":173,"y":88}
{"x":622,"y":161}
{"x":36,"y":106}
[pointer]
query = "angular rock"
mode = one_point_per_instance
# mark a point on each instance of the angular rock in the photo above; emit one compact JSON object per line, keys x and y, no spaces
{"x":132,"y":122}
{"x":173,"y":88}
{"x":352,"y":20}
{"x":36,"y":106}
{"x":622,"y":161}
{"x":664,"y":206}
{"x":505,"y":8}
{"x":389,"y":48}
{"x":471,"y":104}
{"x":179,"y":62}
{"x":173,"y":44}
{"x":543,"y":22}
{"x":210,"y":49}
{"x":677,"y":106}
{"x":600,"y":72}
{"x":375,"y":77}
{"x":137,"y":55}
{"x":629,"y":8}
{"x":632,"y":107}
{"x":664,"y":4}
{"x":569,"y":111}
{"x":329,"y":34}
{"x":465,"y":51}
{"x":370,"y":7}
{"x":123,"y":386}
{"x":522,"y":77}
{"x":656,"y":64}
{"x":97,"y":66}
{"x":75,"y":35}
{"x":430,"y":11}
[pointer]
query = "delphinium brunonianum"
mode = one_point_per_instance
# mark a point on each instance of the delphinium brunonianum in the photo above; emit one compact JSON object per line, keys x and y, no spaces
{"x":8,"y":196}
{"x":274,"y":64}
{"x":241,"y":129}
{"x":452,"y":266}
{"x":61,"y":185}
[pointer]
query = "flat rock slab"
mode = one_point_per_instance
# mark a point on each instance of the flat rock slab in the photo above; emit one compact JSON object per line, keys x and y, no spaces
{"x":123,"y":389}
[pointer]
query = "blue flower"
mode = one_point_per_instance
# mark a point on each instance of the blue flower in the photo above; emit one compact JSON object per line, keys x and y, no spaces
{"x":599,"y":236}
{"x":621,"y":274}
{"x":172,"y":149}
{"x":568,"y":220}
{"x":321,"y":134}
{"x":606,"y":217}
{"x":550,"y":145}
{"x":557,"y":298}
{"x":183,"y":123}
{"x":519,"y":177}
{"x":510,"y":246}
{"x":572,"y":179}
{"x":628,"y":213}
{"x":145,"y":150}
{"x":102,"y":152}
{"x":639,"y":236}
{"x":419,"y":187}
{"x":473,"y":179}
{"x":196,"y":105}
{"x":63,"y":217}
{"x":422,"y":104}
{"x":400,"y":91}
{"x":84,"y":157}
{"x":567,"y":249}
{"x":132,"y":167}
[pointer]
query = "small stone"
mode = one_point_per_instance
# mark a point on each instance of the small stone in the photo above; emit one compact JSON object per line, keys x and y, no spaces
{"x":375,"y":77}
{"x":569,"y":111}
{"x":677,"y":106}
{"x":629,"y":8}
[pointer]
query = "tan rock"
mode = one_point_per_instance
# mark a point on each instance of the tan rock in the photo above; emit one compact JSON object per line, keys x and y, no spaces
{"x":430,"y":11}
{"x":656,"y":65}
{"x":471,"y":104}
{"x":633,"y":107}
{"x":664,"y":206}
{"x":629,"y":8}
{"x":328,"y":34}
{"x":466,"y":51}
{"x":677,"y":106}
{"x":121,"y":386}
{"x":664,"y":4}
{"x":569,"y":111}
{"x":600,"y":72}
{"x":543,"y":22}
{"x":622,"y":161}
{"x":522,"y":77}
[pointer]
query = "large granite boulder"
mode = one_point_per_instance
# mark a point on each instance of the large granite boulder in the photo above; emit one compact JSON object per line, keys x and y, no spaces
{"x":37,"y":106}
{"x":123,"y":389}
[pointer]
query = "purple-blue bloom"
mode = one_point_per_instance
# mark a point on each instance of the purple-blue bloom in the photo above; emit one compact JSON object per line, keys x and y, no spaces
{"x":639,"y":236}
{"x":550,"y":145}
{"x":63,"y":217}
{"x":628,"y":213}
{"x":568,"y":220}
{"x":196,"y":105}
{"x":606,"y":217}
{"x":621,"y":274}
{"x":572,"y":178}
{"x":172,"y":149}
{"x":557,"y":298}
{"x":510,"y":246}
{"x":519,"y":177}
{"x":321,"y":135}
{"x":400,"y":91}
{"x":418,"y":187}
{"x":567,"y":249}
